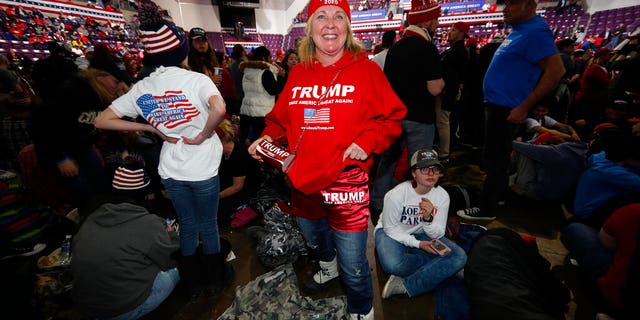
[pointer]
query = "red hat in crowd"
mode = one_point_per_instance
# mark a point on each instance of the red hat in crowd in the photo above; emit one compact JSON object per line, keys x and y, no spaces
{"x":545,"y":138}
{"x":604,"y":126}
{"x":315,"y":4}
{"x":461,"y":26}
{"x":423,"y":11}
{"x":472,"y":42}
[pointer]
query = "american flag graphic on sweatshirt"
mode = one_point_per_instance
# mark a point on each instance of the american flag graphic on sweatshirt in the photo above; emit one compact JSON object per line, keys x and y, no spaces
{"x":315,"y":116}
{"x":169,"y":110}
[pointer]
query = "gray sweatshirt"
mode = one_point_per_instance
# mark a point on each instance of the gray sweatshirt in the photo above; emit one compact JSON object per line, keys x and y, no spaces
{"x":116,"y":256}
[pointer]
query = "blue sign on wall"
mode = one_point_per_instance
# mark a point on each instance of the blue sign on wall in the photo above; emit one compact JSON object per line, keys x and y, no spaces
{"x":461,"y":7}
{"x":368,"y":15}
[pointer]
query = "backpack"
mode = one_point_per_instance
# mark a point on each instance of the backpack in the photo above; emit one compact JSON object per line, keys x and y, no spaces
{"x":459,"y":196}
{"x":507,"y":278}
{"x":282,"y":240}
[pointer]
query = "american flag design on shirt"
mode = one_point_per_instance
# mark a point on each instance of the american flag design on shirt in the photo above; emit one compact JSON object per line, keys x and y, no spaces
{"x":315,"y":116}
{"x":169,"y":110}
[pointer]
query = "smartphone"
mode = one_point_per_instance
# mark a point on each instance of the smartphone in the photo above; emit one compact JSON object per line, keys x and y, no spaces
{"x":441,"y":248}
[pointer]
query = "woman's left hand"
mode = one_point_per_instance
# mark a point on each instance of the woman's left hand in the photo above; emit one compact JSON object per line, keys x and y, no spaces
{"x":355,"y":152}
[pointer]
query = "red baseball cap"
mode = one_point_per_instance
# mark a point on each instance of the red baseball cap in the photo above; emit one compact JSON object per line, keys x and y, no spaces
{"x":315,"y":4}
{"x":544,"y":138}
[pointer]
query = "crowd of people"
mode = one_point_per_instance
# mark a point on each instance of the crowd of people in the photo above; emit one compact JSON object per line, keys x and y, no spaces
{"x":191,"y":125}
{"x":77,"y":31}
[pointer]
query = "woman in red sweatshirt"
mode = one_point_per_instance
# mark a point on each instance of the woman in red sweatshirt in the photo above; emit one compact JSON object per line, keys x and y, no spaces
{"x":335,"y":111}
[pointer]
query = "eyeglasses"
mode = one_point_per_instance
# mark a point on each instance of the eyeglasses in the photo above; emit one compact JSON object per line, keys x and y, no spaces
{"x":430,"y":170}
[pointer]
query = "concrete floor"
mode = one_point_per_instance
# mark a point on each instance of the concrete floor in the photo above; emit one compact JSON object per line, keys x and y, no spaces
{"x":542,"y":220}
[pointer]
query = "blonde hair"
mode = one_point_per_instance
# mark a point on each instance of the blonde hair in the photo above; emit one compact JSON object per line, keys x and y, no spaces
{"x":91,"y":74}
{"x":307,"y":48}
{"x":228,"y":130}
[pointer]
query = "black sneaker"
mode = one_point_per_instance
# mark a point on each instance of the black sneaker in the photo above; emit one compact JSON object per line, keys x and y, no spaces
{"x":473,"y":213}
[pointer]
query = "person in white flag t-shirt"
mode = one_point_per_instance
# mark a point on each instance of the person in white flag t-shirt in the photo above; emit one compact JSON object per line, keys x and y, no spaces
{"x":184,"y":108}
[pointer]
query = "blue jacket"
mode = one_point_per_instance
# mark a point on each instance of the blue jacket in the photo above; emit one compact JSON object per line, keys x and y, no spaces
{"x":603,"y":181}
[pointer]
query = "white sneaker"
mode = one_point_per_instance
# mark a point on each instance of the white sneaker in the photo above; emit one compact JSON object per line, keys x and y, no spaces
{"x":473,"y":213}
{"x":393,"y":286}
{"x":328,"y":271}
{"x":324,"y":277}
{"x":357,"y":316}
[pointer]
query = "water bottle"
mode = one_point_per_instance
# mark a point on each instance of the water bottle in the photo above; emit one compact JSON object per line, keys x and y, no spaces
{"x":65,"y":250}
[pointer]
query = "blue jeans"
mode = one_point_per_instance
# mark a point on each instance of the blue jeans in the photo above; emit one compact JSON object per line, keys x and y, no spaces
{"x":584,"y":245}
{"x":196,"y":204}
{"x":417,"y":136}
{"x":162,"y":286}
{"x":351,"y":249}
{"x":452,"y":300}
{"x":420,"y":271}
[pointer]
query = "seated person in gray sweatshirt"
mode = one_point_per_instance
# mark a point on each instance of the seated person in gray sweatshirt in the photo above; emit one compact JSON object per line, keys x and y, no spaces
{"x":121,"y":262}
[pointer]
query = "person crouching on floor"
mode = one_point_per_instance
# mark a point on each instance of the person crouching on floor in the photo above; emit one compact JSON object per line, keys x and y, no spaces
{"x":122,"y":265}
{"x":413,"y":220}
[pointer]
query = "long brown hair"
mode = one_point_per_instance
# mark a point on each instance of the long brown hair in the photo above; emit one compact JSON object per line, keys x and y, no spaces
{"x":197,"y":60}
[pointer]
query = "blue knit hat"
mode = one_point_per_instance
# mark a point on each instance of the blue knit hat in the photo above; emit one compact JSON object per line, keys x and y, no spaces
{"x":164,"y":43}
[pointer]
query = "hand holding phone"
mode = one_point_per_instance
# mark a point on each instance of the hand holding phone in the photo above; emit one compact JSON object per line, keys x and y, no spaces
{"x":171,"y":224}
{"x":441,"y":248}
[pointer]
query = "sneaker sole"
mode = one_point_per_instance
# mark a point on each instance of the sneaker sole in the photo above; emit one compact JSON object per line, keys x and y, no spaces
{"x":464,"y":216}
{"x":385,"y":291}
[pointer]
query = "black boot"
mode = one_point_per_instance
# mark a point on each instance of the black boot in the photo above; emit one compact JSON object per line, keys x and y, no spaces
{"x":191,"y":271}
{"x":219,"y":272}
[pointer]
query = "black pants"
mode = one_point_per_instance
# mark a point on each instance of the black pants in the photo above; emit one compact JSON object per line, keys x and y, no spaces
{"x":498,"y":143}
{"x":251,"y":128}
